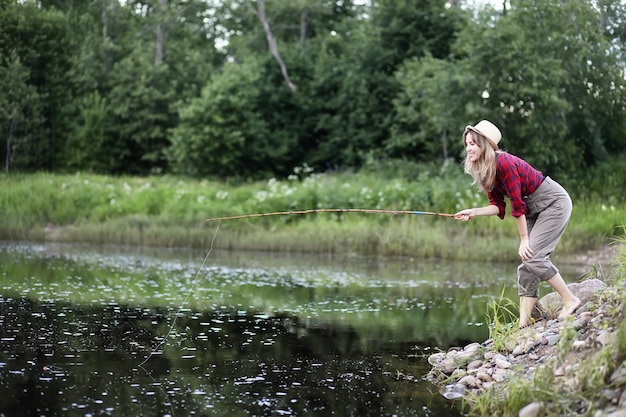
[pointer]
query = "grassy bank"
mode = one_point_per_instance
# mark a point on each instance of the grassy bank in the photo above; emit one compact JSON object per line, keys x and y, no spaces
{"x":169,"y":211}
{"x":585,"y":376}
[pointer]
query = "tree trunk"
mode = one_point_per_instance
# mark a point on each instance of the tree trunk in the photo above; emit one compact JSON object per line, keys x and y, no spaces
{"x":8,"y":156}
{"x":160,"y":33}
{"x":104,"y":21}
{"x":272,"y":43}
{"x":303,"y":26}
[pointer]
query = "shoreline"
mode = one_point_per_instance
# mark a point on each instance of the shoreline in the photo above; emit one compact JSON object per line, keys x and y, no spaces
{"x":552,"y":367}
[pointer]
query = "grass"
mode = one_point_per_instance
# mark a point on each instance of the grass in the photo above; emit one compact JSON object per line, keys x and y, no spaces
{"x":172,"y":212}
{"x":503,"y":321}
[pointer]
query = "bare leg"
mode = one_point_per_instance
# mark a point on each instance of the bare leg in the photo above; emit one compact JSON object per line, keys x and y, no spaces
{"x":526,"y":307}
{"x":570,"y":301}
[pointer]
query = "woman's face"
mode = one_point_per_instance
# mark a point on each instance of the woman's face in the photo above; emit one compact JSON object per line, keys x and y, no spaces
{"x":471,"y":147}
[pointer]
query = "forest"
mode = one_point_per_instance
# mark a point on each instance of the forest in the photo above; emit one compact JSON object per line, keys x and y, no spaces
{"x":250,"y":89}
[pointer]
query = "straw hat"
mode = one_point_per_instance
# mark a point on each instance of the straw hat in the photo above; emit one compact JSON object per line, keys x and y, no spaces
{"x":488,"y":130}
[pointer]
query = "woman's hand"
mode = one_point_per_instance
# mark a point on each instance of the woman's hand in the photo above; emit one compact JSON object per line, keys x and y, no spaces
{"x":525,"y":252}
{"x":465,"y":215}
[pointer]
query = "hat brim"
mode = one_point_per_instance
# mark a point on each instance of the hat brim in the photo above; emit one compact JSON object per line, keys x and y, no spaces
{"x":473,"y":129}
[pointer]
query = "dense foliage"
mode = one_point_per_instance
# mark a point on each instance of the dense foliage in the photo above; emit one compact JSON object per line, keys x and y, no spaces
{"x":194,"y":87}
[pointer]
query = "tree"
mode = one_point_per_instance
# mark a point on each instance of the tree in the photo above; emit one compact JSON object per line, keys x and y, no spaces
{"x":19,"y":106}
{"x":128,"y":77}
{"x":37,"y":41}
{"x":220,"y":133}
{"x":554,"y":83}
{"x":355,"y":75}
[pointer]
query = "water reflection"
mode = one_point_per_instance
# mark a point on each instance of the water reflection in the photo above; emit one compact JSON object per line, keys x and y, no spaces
{"x":113,"y":331}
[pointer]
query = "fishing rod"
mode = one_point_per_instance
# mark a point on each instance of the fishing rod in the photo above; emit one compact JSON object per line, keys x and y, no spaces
{"x":366,"y":211}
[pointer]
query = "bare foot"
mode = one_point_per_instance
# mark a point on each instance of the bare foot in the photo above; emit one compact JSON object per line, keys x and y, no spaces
{"x":569,"y":308}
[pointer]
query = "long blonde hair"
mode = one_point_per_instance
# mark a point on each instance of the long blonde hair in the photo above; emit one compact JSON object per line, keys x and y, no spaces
{"x":483,"y":170}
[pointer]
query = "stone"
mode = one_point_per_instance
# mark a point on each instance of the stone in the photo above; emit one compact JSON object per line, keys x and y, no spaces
{"x":458,"y":373}
{"x":468,"y":380}
{"x":583,"y":290}
{"x":454,"y":391}
{"x":466,"y":356}
{"x":604,"y":338}
{"x":502,"y":363}
{"x":447,"y":366}
{"x":472,"y":347}
{"x":553,"y":339}
{"x":484,"y":376}
{"x":618,"y":377}
{"x":560,"y":371}
{"x":519,"y":349}
{"x":499,"y":375}
{"x":612,"y":394}
{"x":490,"y":355}
{"x":532,"y":410}
{"x":474,"y":365}
{"x":618,"y":413}
{"x":435,"y":358}
{"x":530,"y":345}
{"x":581,"y":321}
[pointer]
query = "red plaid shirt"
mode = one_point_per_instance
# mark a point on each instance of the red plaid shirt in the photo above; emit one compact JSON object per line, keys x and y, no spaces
{"x":515,"y":178}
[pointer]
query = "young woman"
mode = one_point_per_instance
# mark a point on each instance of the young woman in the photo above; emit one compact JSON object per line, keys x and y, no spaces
{"x":541,"y":207}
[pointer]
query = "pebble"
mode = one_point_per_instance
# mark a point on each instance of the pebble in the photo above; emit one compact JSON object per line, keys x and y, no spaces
{"x":532,"y":410}
{"x":502,"y":363}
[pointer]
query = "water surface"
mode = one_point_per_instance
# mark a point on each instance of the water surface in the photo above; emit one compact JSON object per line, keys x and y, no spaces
{"x":88,"y":331}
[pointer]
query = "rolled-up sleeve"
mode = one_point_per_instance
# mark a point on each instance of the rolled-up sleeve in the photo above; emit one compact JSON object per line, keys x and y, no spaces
{"x":497,"y":199}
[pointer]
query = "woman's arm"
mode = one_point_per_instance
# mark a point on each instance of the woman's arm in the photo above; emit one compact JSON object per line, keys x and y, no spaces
{"x":468,"y":214}
{"x":525,"y":252}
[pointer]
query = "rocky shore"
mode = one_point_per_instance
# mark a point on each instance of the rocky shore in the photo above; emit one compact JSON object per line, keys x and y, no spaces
{"x":579,"y":356}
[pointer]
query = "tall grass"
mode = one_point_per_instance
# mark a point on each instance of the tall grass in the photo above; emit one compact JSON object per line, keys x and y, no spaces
{"x":502,"y":317}
{"x":171,"y":211}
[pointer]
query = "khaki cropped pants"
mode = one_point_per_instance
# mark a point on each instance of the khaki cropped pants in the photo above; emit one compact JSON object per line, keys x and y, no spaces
{"x":549,"y":211}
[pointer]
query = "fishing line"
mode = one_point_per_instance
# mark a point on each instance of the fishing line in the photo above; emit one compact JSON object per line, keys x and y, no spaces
{"x":171,"y":329}
{"x":193,"y":285}
{"x":386,"y":240}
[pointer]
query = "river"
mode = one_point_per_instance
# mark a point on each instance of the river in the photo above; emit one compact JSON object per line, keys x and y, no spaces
{"x":124,"y":331}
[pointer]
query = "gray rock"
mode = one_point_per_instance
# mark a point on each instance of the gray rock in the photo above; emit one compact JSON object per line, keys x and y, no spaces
{"x":519,"y":349}
{"x":604,"y":338}
{"x":502,"y":363}
{"x":583,"y":290}
{"x":435,"y":358}
{"x":468,"y":380}
{"x":532,"y":410}
{"x":458,"y":373}
{"x":618,"y":377}
{"x":553,"y":339}
{"x":447,"y":366}
{"x":454,"y":391}
{"x":484,"y":376}
{"x":467,"y":356}
{"x":618,"y":413}
{"x":472,"y":347}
